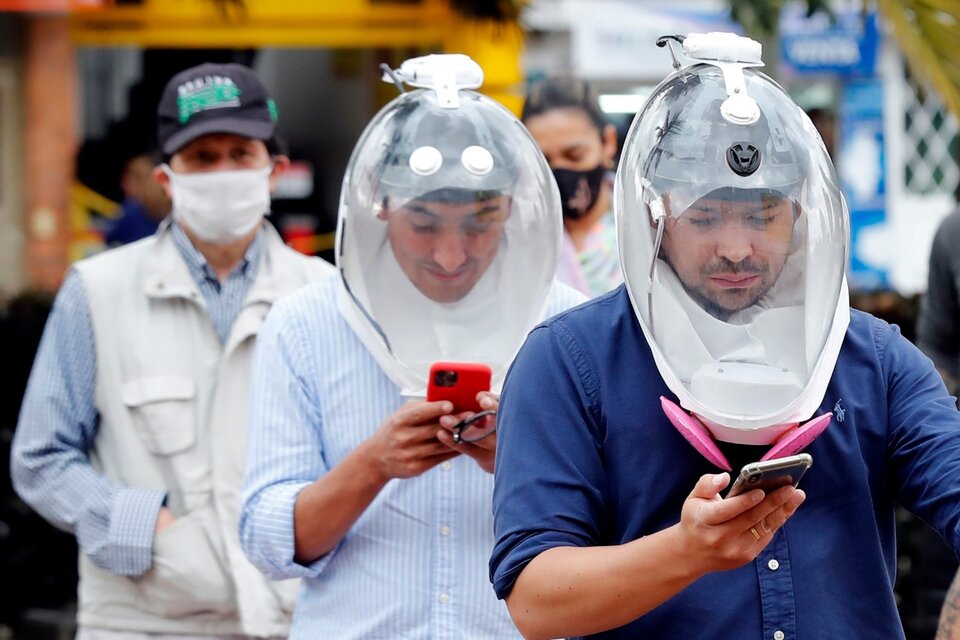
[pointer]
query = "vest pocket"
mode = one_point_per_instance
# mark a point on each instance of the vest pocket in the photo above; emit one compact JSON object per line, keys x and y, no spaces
{"x":188,"y":575}
{"x":287,"y":592}
{"x":162,"y":408}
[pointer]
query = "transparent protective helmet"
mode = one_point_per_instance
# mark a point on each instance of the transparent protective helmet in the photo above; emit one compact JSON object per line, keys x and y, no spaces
{"x":449,"y":230}
{"x":733,"y":238}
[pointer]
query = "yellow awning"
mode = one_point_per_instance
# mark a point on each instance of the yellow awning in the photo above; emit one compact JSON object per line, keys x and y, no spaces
{"x":258,"y":23}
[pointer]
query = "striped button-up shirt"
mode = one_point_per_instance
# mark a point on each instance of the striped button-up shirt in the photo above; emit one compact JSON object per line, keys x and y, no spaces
{"x":414,"y":565}
{"x":50,"y":464}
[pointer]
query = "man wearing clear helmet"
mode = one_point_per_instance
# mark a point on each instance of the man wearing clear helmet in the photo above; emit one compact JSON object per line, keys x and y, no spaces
{"x":448,"y":242}
{"x":732,"y":341}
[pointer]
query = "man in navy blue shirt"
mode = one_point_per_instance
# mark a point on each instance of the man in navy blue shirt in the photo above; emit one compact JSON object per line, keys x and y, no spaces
{"x":145,"y":203}
{"x":731,"y":341}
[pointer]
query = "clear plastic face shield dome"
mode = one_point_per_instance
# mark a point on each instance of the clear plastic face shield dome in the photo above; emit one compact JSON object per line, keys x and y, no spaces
{"x":449,"y":227}
{"x":733,"y":239}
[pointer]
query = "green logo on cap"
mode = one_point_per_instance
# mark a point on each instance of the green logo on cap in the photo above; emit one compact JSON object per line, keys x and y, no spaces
{"x":272,"y":108}
{"x":203,"y":94}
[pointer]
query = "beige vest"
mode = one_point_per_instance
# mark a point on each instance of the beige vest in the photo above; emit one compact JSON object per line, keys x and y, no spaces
{"x":173,"y":416}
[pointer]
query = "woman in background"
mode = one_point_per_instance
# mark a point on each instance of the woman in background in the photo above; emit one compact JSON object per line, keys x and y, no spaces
{"x":564,"y":117}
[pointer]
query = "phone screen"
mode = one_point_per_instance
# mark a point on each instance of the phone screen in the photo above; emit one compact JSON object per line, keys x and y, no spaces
{"x":771,"y":474}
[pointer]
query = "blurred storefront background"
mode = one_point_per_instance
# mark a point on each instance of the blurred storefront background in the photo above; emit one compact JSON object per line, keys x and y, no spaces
{"x":80,"y":79}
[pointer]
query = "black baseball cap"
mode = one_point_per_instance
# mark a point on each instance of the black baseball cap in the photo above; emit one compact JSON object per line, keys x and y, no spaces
{"x":214,"y":98}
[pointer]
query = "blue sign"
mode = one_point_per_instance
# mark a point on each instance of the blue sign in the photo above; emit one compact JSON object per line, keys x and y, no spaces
{"x":861,"y":169}
{"x":815,"y":45}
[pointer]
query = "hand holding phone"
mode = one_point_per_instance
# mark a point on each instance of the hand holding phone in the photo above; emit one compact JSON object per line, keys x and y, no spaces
{"x":771,"y":474}
{"x":458,"y":382}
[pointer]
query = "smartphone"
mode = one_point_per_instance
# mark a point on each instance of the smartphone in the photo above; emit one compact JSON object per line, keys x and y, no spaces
{"x":771,"y":474}
{"x":458,"y":382}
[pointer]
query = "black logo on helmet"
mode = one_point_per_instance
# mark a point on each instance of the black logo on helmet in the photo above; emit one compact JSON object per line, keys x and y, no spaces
{"x":743,"y":158}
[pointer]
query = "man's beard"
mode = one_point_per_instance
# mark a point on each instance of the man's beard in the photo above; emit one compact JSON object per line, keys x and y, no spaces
{"x":723,"y":265}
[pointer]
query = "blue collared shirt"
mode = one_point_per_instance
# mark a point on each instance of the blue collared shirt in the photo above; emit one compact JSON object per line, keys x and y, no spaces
{"x":586,"y":457}
{"x":414,"y":564}
{"x":50,"y":464}
{"x":224,"y":299}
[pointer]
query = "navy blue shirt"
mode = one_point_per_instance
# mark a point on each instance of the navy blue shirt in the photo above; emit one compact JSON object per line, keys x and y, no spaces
{"x":132,"y":225}
{"x":586,"y":457}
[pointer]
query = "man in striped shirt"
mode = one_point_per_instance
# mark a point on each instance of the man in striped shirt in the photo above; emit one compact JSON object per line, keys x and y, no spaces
{"x":447,"y":247}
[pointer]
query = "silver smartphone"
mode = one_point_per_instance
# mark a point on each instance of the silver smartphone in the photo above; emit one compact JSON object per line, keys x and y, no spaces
{"x":771,"y":474}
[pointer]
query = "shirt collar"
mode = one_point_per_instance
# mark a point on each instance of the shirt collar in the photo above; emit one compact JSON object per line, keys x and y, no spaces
{"x":200,"y":269}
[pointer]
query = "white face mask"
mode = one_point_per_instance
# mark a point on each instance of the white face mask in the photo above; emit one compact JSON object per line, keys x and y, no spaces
{"x":220,"y":206}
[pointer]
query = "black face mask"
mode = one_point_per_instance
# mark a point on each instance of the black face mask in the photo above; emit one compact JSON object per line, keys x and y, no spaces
{"x":579,"y":190}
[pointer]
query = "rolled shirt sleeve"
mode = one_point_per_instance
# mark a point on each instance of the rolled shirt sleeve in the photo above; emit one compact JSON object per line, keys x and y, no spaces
{"x":547,"y":454}
{"x":284,"y":446}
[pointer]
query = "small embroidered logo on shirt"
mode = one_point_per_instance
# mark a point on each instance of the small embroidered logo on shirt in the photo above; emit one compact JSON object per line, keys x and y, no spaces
{"x":839,"y":411}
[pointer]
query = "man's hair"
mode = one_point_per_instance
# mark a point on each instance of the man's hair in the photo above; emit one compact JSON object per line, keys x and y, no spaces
{"x":738,"y":194}
{"x":460,"y":196}
{"x":563,"y":93}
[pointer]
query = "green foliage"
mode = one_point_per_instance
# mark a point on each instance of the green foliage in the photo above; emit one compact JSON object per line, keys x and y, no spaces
{"x":760,"y":17}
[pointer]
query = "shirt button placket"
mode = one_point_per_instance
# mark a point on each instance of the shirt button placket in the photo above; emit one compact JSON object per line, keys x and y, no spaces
{"x":778,"y":601}
{"x":445,"y":552}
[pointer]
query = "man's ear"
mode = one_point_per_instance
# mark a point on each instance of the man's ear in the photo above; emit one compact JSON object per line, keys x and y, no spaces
{"x":161,"y":177}
{"x":280,"y":164}
{"x":383,"y":212}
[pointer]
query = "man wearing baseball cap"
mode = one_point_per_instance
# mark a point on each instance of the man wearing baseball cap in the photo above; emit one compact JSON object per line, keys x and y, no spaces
{"x":132,"y":430}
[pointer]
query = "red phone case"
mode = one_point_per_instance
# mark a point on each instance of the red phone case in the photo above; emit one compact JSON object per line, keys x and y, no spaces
{"x":458,"y":382}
